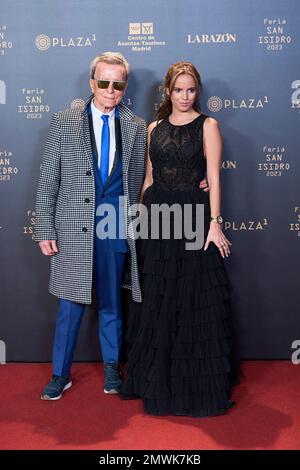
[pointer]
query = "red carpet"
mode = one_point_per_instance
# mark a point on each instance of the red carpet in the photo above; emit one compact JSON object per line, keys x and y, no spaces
{"x":267,"y":414}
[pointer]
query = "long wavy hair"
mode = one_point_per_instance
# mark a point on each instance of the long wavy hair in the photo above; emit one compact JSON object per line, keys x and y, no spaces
{"x":179,"y":68}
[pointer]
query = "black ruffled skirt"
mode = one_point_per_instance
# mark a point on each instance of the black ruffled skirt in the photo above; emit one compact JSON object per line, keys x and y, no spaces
{"x":180,"y":358}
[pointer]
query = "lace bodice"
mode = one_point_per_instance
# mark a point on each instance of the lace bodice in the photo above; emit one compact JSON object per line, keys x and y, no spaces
{"x":176,"y":154}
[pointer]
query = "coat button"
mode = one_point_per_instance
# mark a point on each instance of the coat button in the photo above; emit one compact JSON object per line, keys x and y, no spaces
{"x":84,"y":229}
{"x":87,"y":200}
{"x":88,"y":173}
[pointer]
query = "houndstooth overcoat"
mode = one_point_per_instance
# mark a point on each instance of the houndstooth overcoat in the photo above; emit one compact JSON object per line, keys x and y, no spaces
{"x":65,"y":205}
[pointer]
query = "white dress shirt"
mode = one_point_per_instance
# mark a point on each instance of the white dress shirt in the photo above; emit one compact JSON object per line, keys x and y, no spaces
{"x":98,"y":124}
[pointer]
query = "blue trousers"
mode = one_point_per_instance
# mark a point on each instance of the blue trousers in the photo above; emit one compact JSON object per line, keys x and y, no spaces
{"x":109,"y":268}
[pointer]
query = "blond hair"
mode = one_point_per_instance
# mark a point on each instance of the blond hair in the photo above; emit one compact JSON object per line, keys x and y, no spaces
{"x":113,"y":58}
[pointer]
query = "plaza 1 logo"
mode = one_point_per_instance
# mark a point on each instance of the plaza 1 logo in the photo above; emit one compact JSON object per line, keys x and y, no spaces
{"x":77,"y":103}
{"x":141,"y":38}
{"x":2,"y":92}
{"x":33,"y":106}
{"x":246,"y":225}
{"x":7,"y":169}
{"x":80,"y":103}
{"x":158,"y":97}
{"x":44,"y":42}
{"x":295,"y":98}
{"x":5,"y":44}
{"x":274,"y":36}
{"x":215,"y":103}
{"x":274,"y":163}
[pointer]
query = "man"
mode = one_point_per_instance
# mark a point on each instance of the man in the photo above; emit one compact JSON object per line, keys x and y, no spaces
{"x":92,"y":157}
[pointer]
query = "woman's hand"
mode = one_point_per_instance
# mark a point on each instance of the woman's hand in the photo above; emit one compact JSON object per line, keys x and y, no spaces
{"x":204,"y":185}
{"x":216,"y":236}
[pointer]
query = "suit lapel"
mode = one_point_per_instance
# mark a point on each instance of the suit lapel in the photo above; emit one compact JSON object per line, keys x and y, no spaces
{"x":128,"y":129}
{"x":118,"y":139}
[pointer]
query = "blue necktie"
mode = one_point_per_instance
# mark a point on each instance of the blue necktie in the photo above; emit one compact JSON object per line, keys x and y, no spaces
{"x":104,"y":164}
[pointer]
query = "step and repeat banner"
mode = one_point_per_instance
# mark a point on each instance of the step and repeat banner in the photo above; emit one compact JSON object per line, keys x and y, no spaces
{"x":247,"y":52}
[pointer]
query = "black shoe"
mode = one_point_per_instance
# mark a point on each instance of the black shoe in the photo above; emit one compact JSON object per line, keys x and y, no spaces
{"x":112,"y":381}
{"x":56,"y":387}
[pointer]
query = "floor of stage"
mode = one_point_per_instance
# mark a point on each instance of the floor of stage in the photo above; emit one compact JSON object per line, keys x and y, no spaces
{"x":266,"y":416}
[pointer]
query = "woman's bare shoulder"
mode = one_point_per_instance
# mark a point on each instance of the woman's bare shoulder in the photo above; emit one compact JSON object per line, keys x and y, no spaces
{"x":153,"y":124}
{"x":211,"y":122}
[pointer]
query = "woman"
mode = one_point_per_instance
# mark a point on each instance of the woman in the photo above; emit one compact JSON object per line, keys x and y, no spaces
{"x":179,"y":361}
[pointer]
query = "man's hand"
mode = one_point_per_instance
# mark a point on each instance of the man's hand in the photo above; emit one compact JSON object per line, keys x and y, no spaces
{"x":48,"y":247}
{"x":204,"y":185}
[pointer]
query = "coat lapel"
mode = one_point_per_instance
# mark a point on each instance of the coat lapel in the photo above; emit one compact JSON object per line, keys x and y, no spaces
{"x":128,"y":132}
{"x":86,"y":138}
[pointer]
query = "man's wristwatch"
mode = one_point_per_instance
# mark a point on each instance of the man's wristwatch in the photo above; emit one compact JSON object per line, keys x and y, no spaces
{"x":218,"y":219}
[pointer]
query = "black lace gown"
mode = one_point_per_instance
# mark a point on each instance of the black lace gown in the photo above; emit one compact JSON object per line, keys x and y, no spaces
{"x":179,"y":359}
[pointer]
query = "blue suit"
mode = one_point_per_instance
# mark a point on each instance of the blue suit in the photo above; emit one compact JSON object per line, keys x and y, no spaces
{"x":109,"y":263}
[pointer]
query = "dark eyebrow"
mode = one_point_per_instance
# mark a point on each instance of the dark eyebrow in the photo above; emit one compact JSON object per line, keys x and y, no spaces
{"x":190,"y":88}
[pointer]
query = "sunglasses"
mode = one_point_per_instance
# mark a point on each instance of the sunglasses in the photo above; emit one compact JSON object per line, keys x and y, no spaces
{"x":103,"y":84}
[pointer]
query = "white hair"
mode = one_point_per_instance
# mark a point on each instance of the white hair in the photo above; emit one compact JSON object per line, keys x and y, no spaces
{"x":114,"y":58}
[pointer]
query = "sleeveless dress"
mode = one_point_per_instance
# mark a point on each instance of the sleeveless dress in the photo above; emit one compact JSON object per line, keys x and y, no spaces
{"x":179,"y":359}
